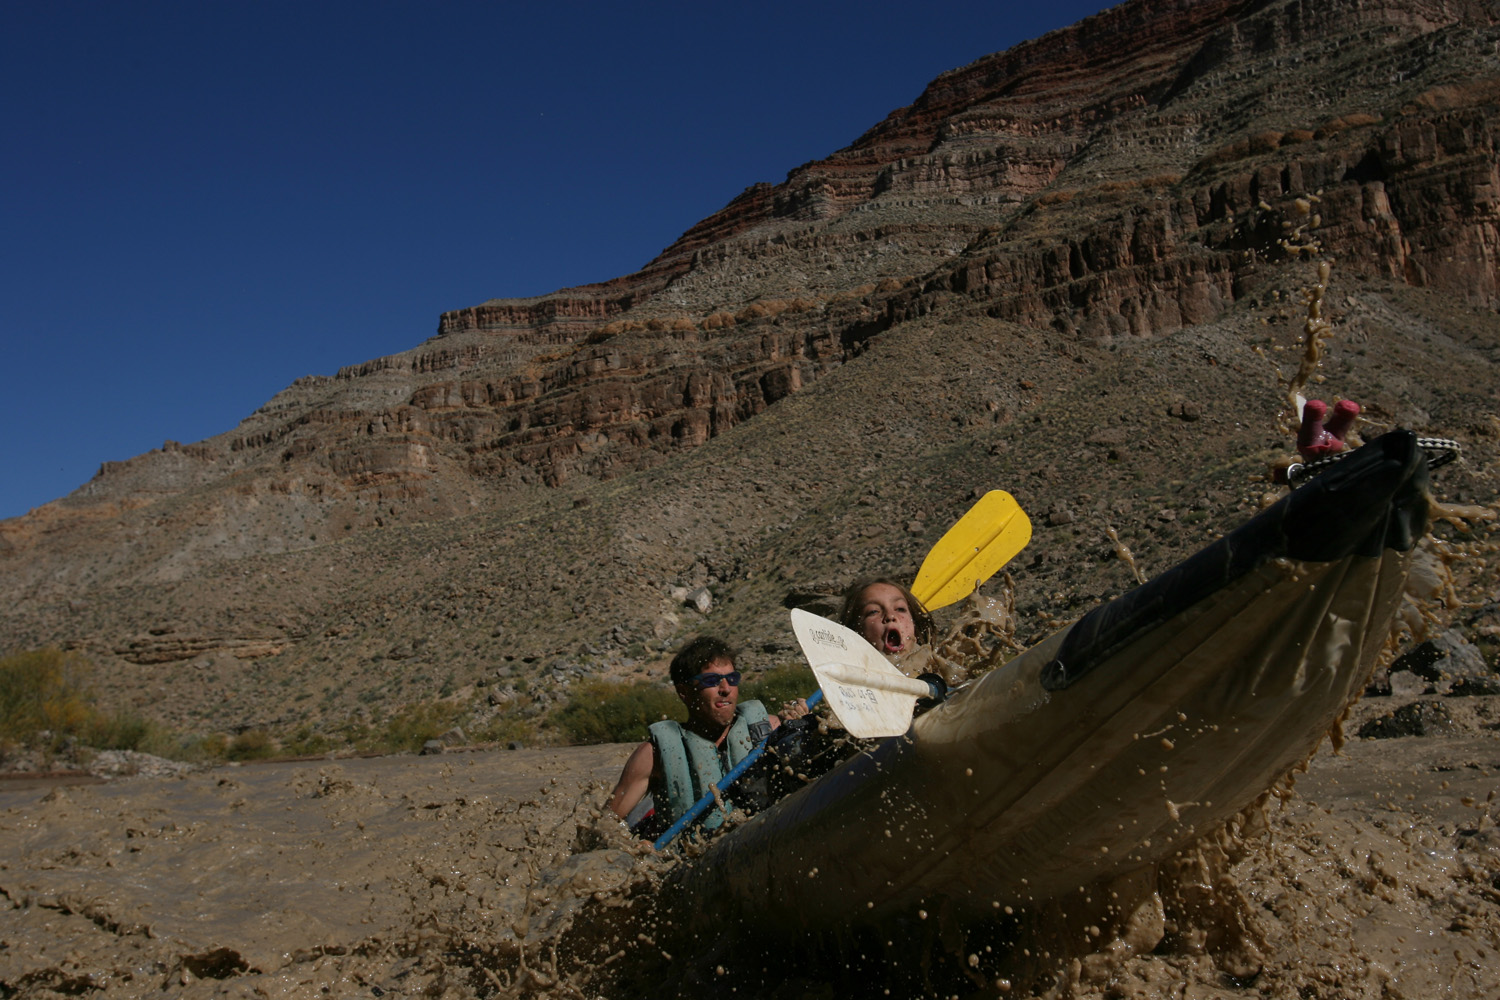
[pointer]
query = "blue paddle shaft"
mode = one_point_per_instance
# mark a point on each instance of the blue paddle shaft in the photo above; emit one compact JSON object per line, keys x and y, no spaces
{"x":701,"y":806}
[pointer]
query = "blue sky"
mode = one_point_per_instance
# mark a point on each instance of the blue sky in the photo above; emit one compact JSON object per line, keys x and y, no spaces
{"x":204,"y":201}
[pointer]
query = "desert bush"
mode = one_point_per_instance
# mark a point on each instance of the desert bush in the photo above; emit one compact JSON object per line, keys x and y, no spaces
{"x":214,"y":746}
{"x":779,"y":684}
{"x":411,"y":726}
{"x":551,"y":356}
{"x":504,"y":728}
{"x":1265,"y":142}
{"x":762,"y":309}
{"x":254,"y":744}
{"x":610,"y":712}
{"x":127,"y":731}
{"x":1357,"y":119}
{"x":304,"y":742}
{"x":850,"y":294}
{"x":44,"y":690}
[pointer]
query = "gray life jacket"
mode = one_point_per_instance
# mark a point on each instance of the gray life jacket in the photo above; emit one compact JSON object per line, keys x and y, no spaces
{"x":691,"y":765}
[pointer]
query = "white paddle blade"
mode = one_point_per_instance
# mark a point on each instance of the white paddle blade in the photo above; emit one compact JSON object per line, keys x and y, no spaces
{"x":868,"y":696}
{"x":869,"y":705}
{"x":825,"y":641}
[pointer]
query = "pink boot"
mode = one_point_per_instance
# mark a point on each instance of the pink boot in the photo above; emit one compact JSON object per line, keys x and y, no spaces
{"x":1316,"y":439}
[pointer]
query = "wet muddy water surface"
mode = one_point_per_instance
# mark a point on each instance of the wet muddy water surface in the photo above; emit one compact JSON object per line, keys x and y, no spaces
{"x":497,"y":873}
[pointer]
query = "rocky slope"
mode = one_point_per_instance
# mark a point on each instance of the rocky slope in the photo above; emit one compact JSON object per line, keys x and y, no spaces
{"x":1073,"y":270}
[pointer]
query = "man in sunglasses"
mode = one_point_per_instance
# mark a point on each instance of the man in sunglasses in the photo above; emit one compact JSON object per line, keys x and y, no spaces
{"x":681,"y":761}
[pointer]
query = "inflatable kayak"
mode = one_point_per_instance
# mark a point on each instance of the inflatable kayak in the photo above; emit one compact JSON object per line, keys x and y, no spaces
{"x":1112,"y":744}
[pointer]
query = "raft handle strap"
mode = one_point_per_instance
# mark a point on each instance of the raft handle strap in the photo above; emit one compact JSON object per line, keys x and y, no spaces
{"x":1440,"y":451}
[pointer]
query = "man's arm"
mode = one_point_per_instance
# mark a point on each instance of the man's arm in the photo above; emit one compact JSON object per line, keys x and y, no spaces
{"x":635,"y":779}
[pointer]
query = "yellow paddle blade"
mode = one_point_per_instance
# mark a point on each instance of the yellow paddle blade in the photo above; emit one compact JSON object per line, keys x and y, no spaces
{"x":982,"y":541}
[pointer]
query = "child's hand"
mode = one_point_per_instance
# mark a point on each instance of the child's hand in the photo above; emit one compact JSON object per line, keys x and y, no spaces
{"x":793,"y":709}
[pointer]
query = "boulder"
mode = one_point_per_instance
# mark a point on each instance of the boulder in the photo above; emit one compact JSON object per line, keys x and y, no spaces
{"x":1465,"y":686}
{"x":1420,"y":718}
{"x":700,"y":599}
{"x":1461,"y":658}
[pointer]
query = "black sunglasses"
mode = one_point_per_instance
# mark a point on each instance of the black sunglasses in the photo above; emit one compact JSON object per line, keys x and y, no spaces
{"x":708,"y":680}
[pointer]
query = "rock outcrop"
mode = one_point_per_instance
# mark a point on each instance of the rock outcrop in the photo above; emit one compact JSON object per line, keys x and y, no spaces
{"x":1125,"y":177}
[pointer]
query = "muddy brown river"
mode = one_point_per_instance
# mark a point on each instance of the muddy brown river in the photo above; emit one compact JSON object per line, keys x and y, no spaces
{"x":496,"y":873}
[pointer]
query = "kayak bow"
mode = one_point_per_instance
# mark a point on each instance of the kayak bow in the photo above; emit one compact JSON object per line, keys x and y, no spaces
{"x":1115,"y":742}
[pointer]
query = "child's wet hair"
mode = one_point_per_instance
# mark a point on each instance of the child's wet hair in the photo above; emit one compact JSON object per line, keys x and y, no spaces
{"x":921,"y":619}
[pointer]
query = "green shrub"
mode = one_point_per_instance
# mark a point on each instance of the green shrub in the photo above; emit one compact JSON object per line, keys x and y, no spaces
{"x":127,"y":731}
{"x":504,"y":728}
{"x":44,"y":690}
{"x":255,"y":744}
{"x":610,"y":712}
{"x":304,"y":742}
{"x":779,"y":684}
{"x":409,"y":727}
{"x":214,"y":746}
{"x":49,"y":691}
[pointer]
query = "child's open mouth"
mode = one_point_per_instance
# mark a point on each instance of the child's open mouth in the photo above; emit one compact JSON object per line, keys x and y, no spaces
{"x":891,"y":643}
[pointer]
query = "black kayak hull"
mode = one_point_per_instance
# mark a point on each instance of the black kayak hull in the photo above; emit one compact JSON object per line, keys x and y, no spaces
{"x":1111,"y":745}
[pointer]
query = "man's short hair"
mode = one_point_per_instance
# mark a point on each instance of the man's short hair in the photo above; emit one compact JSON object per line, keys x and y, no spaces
{"x":692,"y":659}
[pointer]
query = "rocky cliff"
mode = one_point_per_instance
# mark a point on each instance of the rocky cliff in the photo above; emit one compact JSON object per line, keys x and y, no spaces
{"x":1041,"y":274}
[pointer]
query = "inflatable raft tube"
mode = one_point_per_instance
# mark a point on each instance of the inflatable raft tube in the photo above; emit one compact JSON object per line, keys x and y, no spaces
{"x":1110,"y":745}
